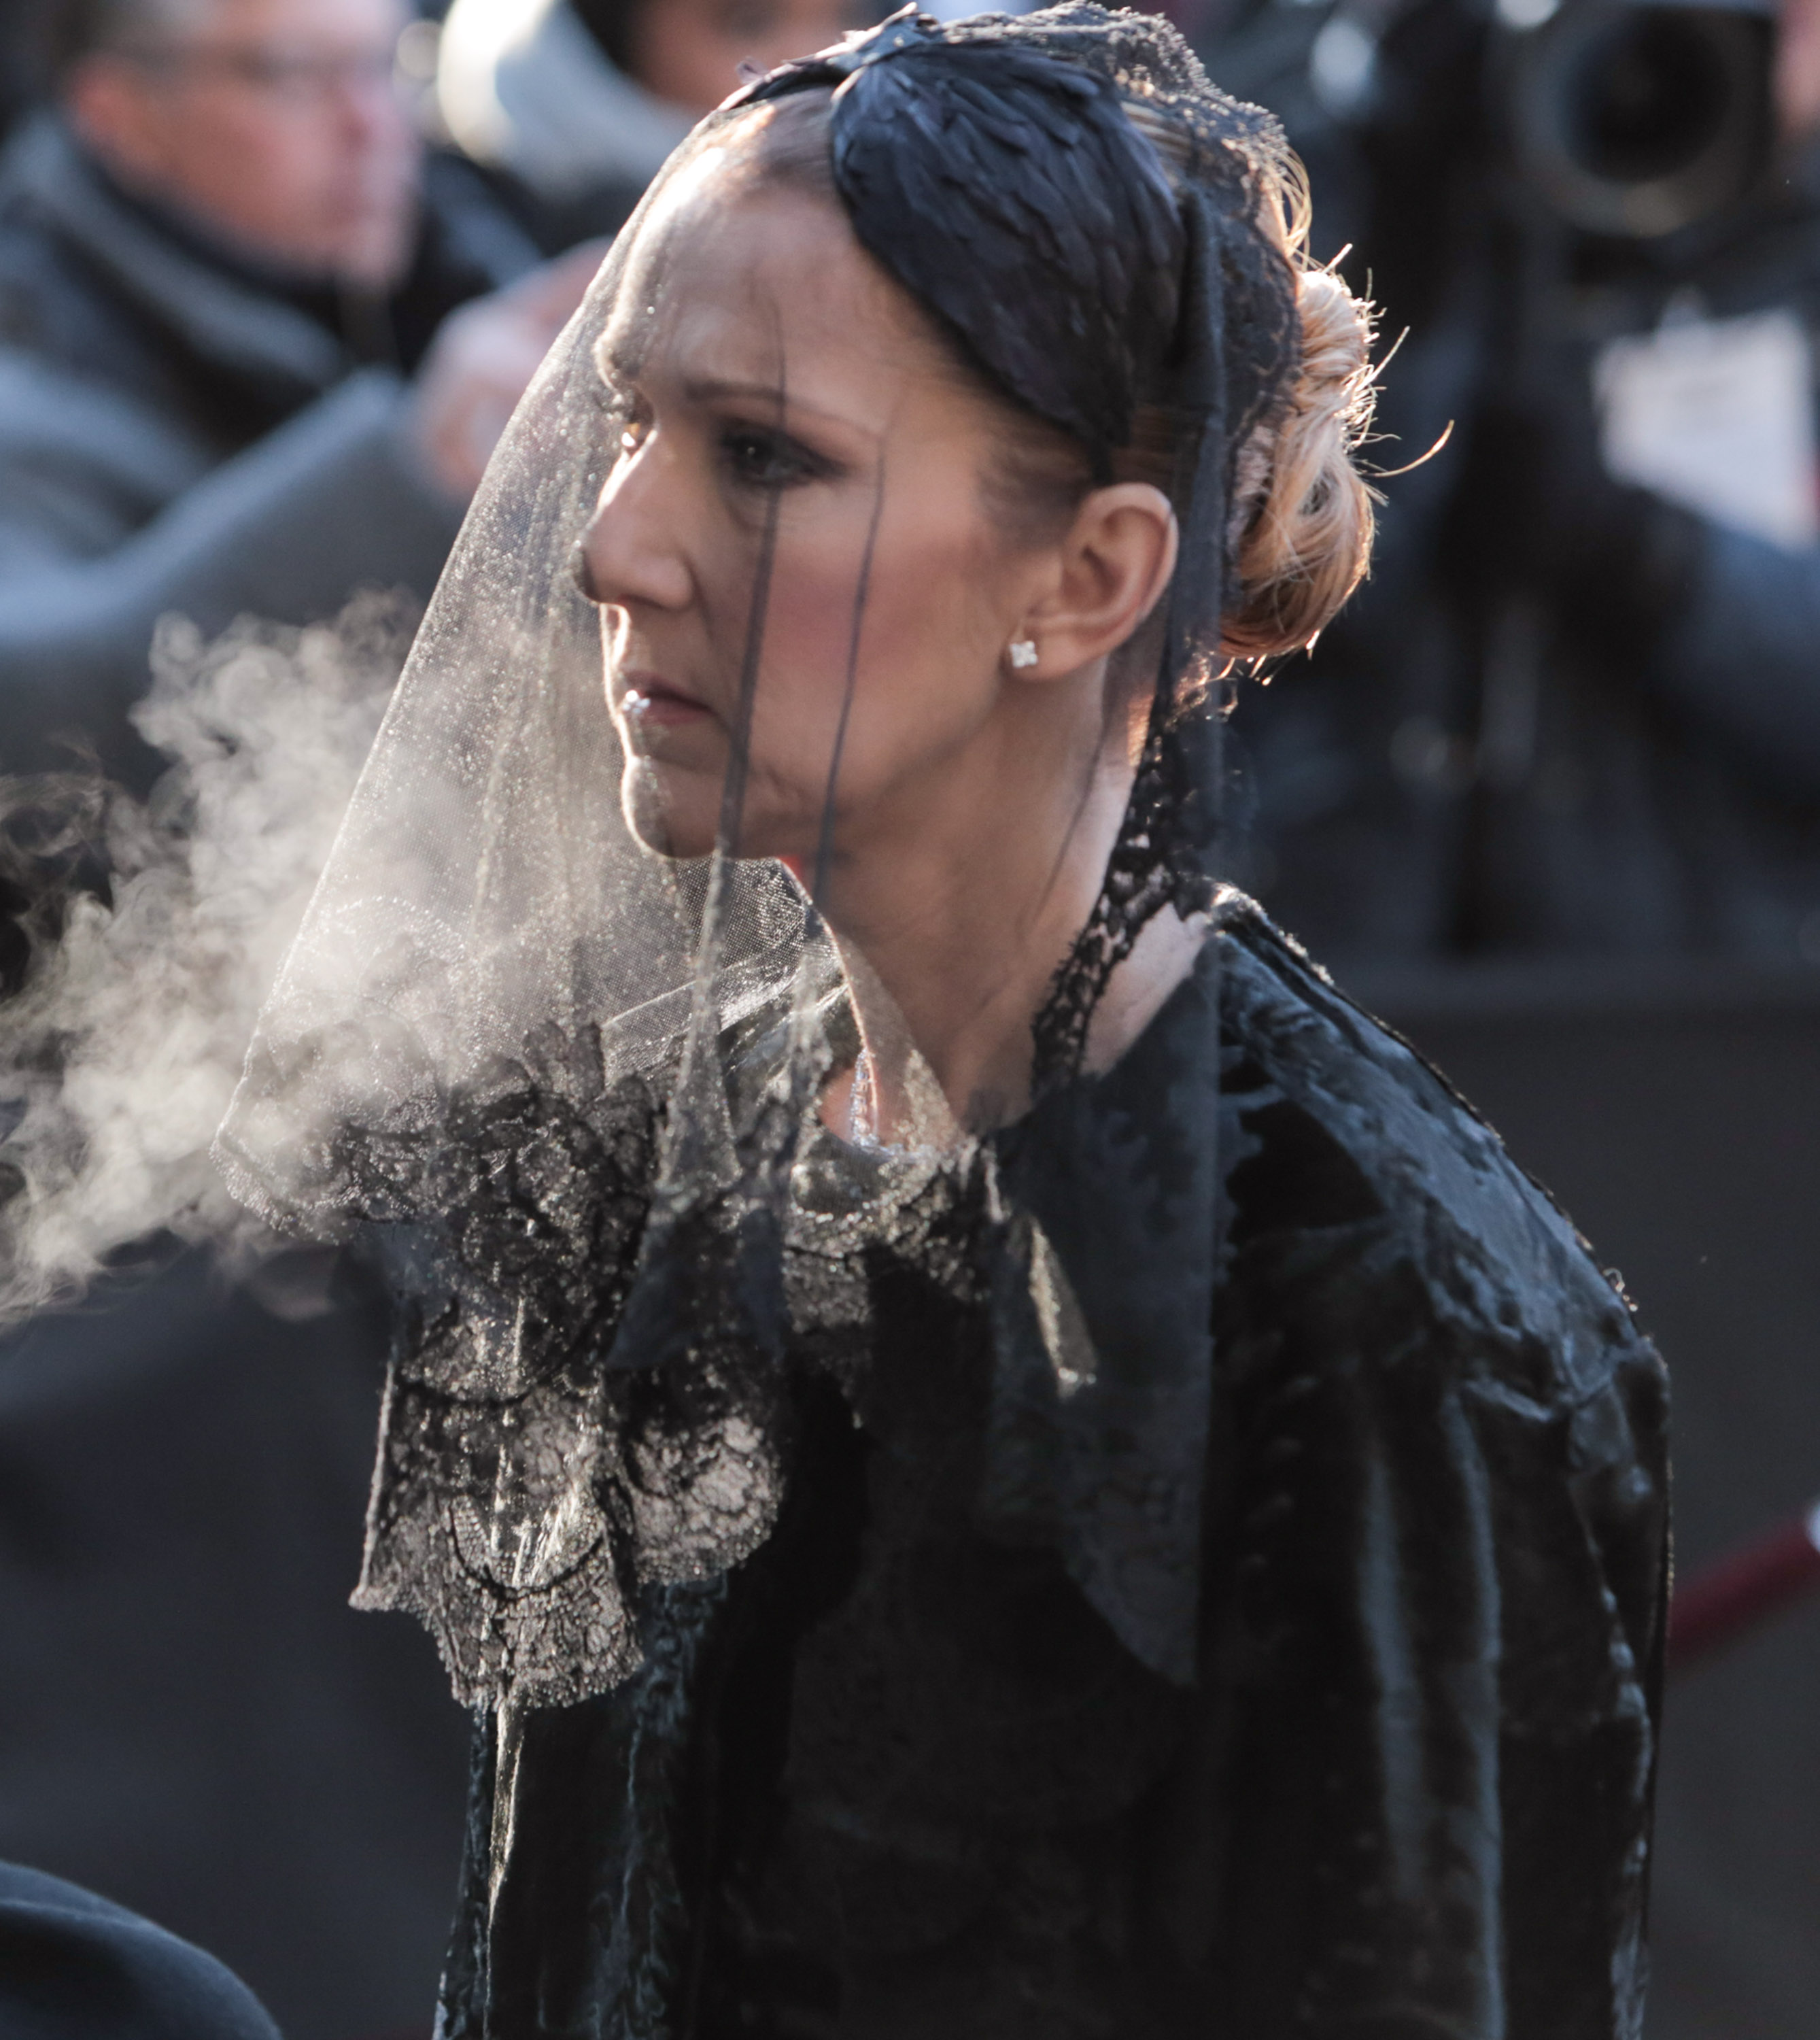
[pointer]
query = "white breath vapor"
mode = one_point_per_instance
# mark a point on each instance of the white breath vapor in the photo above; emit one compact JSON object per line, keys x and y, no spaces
{"x":118,"y":1054}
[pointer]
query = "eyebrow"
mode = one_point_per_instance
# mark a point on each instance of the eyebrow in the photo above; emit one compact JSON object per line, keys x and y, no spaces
{"x":621,"y":369}
{"x":713,"y":388}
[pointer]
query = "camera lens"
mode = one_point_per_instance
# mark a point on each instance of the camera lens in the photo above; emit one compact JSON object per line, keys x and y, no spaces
{"x":1638,"y":120}
{"x":1647,"y":99}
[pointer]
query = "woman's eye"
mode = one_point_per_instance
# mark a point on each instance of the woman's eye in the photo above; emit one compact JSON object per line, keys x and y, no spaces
{"x":763,"y":460}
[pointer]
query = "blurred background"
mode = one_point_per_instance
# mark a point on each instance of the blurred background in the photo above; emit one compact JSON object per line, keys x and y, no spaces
{"x":273,"y":274}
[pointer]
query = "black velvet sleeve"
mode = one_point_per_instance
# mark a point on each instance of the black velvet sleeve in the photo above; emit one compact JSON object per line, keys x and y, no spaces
{"x":1437,"y":1561}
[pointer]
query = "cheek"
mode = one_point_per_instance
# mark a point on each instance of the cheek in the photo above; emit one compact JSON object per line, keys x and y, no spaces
{"x":272,"y":171}
{"x":927,"y":668}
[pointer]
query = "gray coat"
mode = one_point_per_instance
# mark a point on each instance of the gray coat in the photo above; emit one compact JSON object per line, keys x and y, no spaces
{"x":178,"y":433}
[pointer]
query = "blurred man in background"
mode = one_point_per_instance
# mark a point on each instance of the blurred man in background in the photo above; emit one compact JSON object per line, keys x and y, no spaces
{"x":233,"y":376}
{"x":1577,"y":713}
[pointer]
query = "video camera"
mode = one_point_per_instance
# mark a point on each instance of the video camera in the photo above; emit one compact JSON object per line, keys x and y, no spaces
{"x":1637,"y":120}
{"x":1630,"y":118}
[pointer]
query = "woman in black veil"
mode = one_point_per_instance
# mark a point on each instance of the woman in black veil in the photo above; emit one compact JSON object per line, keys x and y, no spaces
{"x":993,"y":1457}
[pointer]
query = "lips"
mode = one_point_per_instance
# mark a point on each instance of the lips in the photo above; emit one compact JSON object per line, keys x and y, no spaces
{"x":647,"y":701}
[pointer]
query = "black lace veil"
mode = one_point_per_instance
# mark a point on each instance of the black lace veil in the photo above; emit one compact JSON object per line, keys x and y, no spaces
{"x":568,"y":1087}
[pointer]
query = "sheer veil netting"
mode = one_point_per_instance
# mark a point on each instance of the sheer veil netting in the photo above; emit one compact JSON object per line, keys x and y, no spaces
{"x":569,"y":1087}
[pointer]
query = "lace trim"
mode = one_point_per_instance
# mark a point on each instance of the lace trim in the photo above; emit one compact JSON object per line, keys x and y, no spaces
{"x":1155,"y":863}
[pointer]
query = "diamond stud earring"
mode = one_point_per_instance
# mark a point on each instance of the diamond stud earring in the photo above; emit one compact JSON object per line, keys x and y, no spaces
{"x":1022,"y":652}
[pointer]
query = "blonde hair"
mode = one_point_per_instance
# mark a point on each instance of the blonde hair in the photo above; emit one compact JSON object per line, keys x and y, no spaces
{"x":1303,"y":512}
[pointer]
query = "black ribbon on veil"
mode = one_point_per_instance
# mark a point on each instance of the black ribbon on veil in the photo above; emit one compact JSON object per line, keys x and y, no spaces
{"x":570,"y":1086}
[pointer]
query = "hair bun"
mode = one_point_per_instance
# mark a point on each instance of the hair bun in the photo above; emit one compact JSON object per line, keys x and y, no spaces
{"x":1304,"y":515}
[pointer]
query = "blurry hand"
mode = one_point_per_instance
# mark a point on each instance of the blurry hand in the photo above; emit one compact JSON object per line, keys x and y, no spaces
{"x":482,"y":362}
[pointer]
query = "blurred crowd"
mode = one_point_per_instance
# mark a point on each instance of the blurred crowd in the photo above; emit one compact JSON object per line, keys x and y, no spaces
{"x":273,"y":274}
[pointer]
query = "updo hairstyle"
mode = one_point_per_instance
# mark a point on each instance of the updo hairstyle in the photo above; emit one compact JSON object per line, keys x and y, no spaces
{"x":1302,"y":511}
{"x":1044,"y":214}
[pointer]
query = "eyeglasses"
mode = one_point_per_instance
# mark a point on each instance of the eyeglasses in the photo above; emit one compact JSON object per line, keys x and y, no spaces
{"x":295,"y":77}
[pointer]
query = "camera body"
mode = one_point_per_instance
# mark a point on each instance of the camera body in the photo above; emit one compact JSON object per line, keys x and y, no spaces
{"x":1638,"y":119}
{"x":1629,"y":120}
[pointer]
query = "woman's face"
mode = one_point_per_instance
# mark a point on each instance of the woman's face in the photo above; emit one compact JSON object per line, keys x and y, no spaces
{"x":775,"y":378}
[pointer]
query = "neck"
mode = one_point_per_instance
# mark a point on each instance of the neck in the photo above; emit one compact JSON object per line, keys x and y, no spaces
{"x":955,"y":907}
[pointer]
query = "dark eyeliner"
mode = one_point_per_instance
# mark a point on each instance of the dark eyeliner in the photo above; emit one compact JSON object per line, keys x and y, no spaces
{"x":783,"y":461}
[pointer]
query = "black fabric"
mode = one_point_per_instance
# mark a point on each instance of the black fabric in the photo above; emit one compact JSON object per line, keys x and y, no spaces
{"x":1712,"y":1209}
{"x":894,"y":1776}
{"x":73,"y":1967}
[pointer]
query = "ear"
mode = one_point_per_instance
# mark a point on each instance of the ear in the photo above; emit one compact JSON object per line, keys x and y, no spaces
{"x":1109,"y":572}
{"x":113,"y":110}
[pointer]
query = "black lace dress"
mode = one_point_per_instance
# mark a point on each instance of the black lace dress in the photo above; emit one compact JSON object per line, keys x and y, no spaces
{"x":895,"y":1773}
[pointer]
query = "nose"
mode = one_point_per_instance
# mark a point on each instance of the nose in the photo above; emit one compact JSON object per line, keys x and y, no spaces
{"x":627,"y":557}
{"x":369,"y":108}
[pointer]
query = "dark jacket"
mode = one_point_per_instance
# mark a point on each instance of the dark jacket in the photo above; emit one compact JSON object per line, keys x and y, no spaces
{"x":898,"y":1774}
{"x":179,"y":432}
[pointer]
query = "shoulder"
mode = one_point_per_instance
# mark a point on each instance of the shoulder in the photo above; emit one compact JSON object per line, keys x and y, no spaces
{"x":93,"y":285}
{"x":1348,"y":1155}
{"x":49,"y":405}
{"x":72,"y":1964}
{"x":83,"y":465}
{"x":49,"y":286}
{"x":78,"y":332}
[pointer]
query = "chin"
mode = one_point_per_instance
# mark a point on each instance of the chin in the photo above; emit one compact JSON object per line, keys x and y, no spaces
{"x":670,"y":820}
{"x":375,"y":247}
